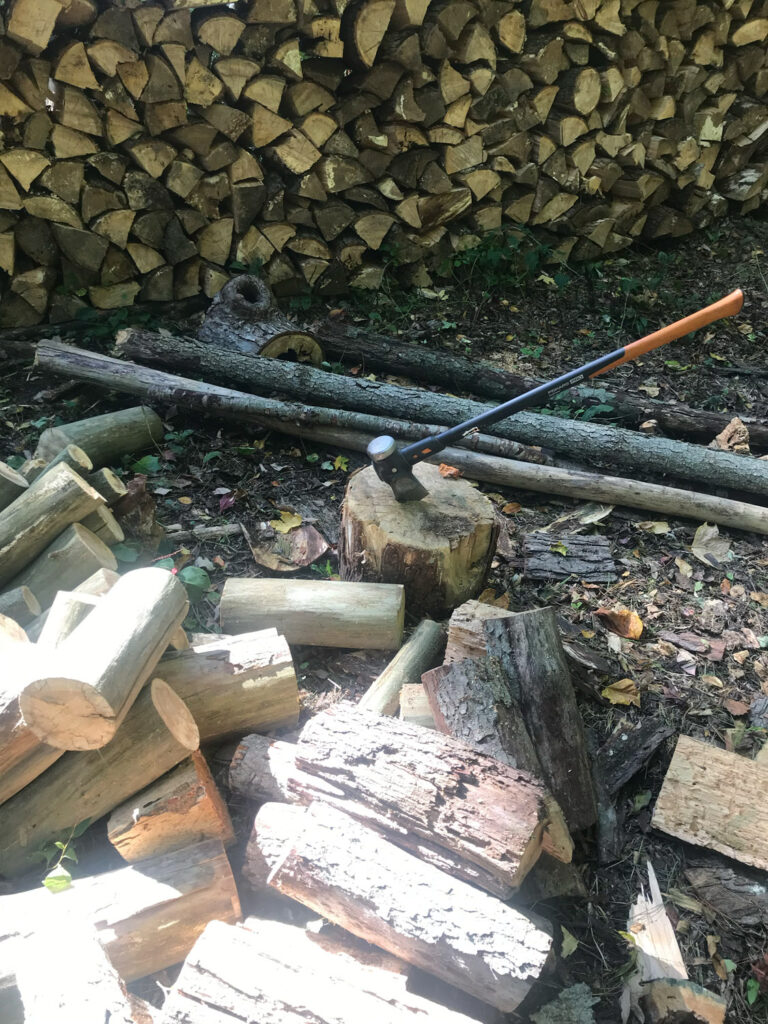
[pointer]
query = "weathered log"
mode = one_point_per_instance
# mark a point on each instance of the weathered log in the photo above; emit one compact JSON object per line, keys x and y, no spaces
{"x":12,"y":485}
{"x":19,"y":604}
{"x":628,"y":750}
{"x":329,"y":866}
{"x":106,"y":438}
{"x":466,"y":630}
{"x":439,"y":548}
{"x":97,"y":672}
{"x":418,"y":654}
{"x":360,"y":615}
{"x":148,"y":916}
{"x":267,"y":843}
{"x":738,"y":897}
{"x":38,"y":516}
{"x":156,"y":734}
{"x":244,"y":317}
{"x":569,"y":556}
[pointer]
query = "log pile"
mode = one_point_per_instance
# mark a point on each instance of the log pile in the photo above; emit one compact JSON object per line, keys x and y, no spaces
{"x":144,"y":151}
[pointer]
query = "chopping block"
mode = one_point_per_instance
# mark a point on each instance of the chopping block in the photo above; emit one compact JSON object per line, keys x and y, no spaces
{"x":439,"y":548}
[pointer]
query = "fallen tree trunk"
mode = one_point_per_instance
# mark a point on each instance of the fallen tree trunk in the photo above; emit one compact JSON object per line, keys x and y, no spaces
{"x":458,"y":373}
{"x":106,"y":438}
{"x":602,"y":445}
{"x":419,"y":653}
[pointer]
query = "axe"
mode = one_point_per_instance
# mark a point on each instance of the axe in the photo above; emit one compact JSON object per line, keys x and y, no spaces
{"x":393,"y":464}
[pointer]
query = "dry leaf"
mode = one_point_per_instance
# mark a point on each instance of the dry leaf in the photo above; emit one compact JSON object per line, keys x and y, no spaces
{"x":685,"y":568}
{"x":712,"y":681}
{"x":709,"y":547}
{"x":760,"y":597}
{"x":621,"y":621}
{"x":653,"y":526}
{"x":732,"y":438}
{"x":740,"y":656}
{"x":650,"y":390}
{"x":450,"y":472}
{"x":185,"y":501}
{"x":488,"y":596}
{"x":288,"y":550}
{"x":623,"y":692}
{"x":736,"y":707}
{"x":570,"y":943}
{"x":511,"y":507}
{"x":287,"y":521}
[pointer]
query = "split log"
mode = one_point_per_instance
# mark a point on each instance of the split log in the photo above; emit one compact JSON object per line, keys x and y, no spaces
{"x":12,"y":485}
{"x":414,"y":706}
{"x":182,"y":808}
{"x":714,"y":798}
{"x":19,"y":604}
{"x":157,"y":733}
{"x":97,"y":672}
{"x":148,"y":916}
{"x":439,"y":548}
{"x":328,"y":867}
{"x":244,"y":317}
{"x":588,"y":441}
{"x":466,"y":630}
{"x":108,"y":484}
{"x":105,"y":438}
{"x":258,"y":969}
{"x":418,"y":654}
{"x":95,"y":585}
{"x":38,"y":516}
{"x":315,"y":612}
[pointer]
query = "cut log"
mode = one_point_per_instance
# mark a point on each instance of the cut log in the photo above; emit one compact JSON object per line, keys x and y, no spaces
{"x":105,"y":438}
{"x":147,"y":916}
{"x":76,"y":553}
{"x":466,"y":630}
{"x":421,"y":652}
{"x":244,"y":317}
{"x":325,"y":614}
{"x":66,"y":613}
{"x":19,"y":604}
{"x":414,"y":706}
{"x":97,"y":672}
{"x":99,"y":582}
{"x":71,"y":456}
{"x":102,"y":524}
{"x":37,"y":517}
{"x":182,"y":808}
{"x":328,"y":867}
{"x":12,"y":484}
{"x":439,"y":548}
{"x":157,"y":733}
{"x":712,"y":797}
{"x":254,"y":970}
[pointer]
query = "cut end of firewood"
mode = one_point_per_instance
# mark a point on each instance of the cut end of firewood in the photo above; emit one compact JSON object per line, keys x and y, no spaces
{"x":67,"y":714}
{"x":175,"y":714}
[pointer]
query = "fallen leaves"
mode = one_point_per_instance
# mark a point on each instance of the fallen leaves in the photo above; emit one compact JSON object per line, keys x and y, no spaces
{"x":569,"y":944}
{"x":736,"y":707}
{"x":622,"y":692}
{"x":621,"y":621}
{"x":760,"y":597}
{"x":287,"y":521}
{"x":709,"y":547}
{"x":656,"y":526}
{"x":488,"y":596}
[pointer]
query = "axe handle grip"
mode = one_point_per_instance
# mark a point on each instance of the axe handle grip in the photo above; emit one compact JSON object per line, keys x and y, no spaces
{"x":728,"y":306}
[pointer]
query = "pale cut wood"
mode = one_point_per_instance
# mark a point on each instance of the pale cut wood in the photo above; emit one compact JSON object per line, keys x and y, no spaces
{"x":66,"y":613}
{"x":105,"y":438}
{"x":37,"y":517}
{"x":267,"y":843}
{"x":102,"y":523}
{"x":19,"y":604}
{"x":466,"y":630}
{"x":715,"y":798}
{"x":108,"y":485}
{"x":256,"y":971}
{"x":97,"y":672}
{"x":316,"y":612}
{"x":98,"y":583}
{"x":157,"y":733}
{"x":439,"y":548}
{"x":182,"y":808}
{"x":330,"y":867}
{"x":414,"y":706}
{"x":76,"y":553}
{"x":12,"y":484}
{"x":147,"y":916}
{"x":420,"y":652}
{"x":71,"y":456}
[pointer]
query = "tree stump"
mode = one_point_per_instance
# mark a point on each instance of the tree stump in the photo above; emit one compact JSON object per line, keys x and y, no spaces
{"x":439,"y":548}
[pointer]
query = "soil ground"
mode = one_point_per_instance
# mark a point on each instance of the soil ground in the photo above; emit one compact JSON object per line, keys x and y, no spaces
{"x":212,"y":473}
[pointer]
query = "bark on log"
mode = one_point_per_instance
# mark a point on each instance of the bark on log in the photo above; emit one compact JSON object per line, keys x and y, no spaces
{"x":19,"y":604}
{"x":267,"y":842}
{"x":256,"y":972}
{"x":419,"y":653}
{"x":440,"y":548}
{"x":739,"y":897}
{"x":74,"y":555}
{"x":568,"y":556}
{"x":329,"y":868}
{"x":466,"y":630}
{"x":588,"y":441}
{"x":105,"y":439}
{"x":108,"y":484}
{"x":244,"y":317}
{"x":12,"y":485}
{"x":149,"y":916}
{"x":157,"y":733}
{"x":181,"y":809}
{"x":360,"y":615}
{"x":628,"y":750}
{"x":97,"y":672}
{"x":38,"y":516}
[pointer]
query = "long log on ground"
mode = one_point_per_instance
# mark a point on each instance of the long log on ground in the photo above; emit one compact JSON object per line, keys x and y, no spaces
{"x":413,"y":910}
{"x":97,"y":672}
{"x":376,"y":352}
{"x":316,"y":612}
{"x":256,"y":973}
{"x":106,"y":438}
{"x":148,"y":916}
{"x":603,"y":445}
{"x":157,"y":733}
{"x":69,"y":559}
{"x":12,"y":485}
{"x":38,"y":516}
{"x":353,"y":431}
{"x":19,"y":604}
{"x":420,"y":652}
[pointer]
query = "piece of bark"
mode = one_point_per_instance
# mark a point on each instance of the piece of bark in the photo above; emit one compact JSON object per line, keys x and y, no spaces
{"x":414,"y":706}
{"x":97,"y":672}
{"x":74,"y":555}
{"x":136,"y":513}
{"x":108,"y":484}
{"x":12,"y":484}
{"x":157,"y":733}
{"x":419,"y":653}
{"x":19,"y":604}
{"x":315,"y":612}
{"x":106,"y":438}
{"x":714,"y":798}
{"x":38,"y":516}
{"x":548,"y":557}
{"x":148,"y":916}
{"x":628,"y":750}
{"x":180,"y":809}
{"x":528,"y":646}
{"x":439,"y":548}
{"x":256,"y":971}
{"x":329,"y":866}
{"x":739,"y":897}
{"x":287,"y":552}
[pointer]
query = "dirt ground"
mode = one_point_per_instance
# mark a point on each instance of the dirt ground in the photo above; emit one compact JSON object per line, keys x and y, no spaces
{"x":707,"y":683}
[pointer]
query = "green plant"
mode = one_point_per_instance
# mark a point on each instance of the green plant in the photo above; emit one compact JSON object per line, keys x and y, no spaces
{"x":505,"y":257}
{"x":326,"y":570}
{"x":176,"y":439}
{"x":58,"y":878}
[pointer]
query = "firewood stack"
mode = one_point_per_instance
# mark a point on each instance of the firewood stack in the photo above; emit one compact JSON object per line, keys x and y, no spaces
{"x":144,"y":148}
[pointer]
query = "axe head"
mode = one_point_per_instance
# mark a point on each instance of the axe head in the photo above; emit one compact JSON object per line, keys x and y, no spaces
{"x":394,"y":469}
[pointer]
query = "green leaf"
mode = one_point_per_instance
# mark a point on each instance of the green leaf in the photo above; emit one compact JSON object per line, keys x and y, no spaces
{"x":126,"y":552}
{"x":341,"y":462}
{"x":196,"y":580}
{"x":753,"y":990}
{"x":312,"y":457}
{"x":570,"y":943}
{"x":326,"y":465}
{"x":165,"y":563}
{"x":58,"y":879}
{"x":60,"y":846}
{"x":559,"y":548}
{"x":641,"y":800}
{"x":70,"y":854}
{"x":729,"y":965}
{"x":147,"y":464}
{"x":211,"y":455}
{"x":41,"y":422}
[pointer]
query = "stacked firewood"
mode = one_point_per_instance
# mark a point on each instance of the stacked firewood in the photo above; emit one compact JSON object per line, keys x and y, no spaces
{"x":146,"y":148}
